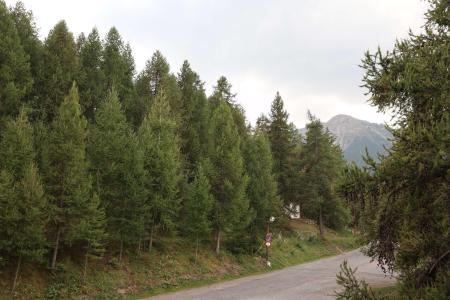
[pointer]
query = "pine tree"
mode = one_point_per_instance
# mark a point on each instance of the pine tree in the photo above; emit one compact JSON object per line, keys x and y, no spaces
{"x":61,"y":69}
{"x":15,"y":76}
{"x":411,"y":224}
{"x":67,"y":179}
{"x":222,"y":92}
{"x":162,"y":164}
{"x":198,"y":207}
{"x":155,"y":79}
{"x":16,"y":146}
{"x":279,"y":137}
{"x":22,"y":217}
{"x":91,"y":231}
{"x":118,"y":67}
{"x":321,"y":166}
{"x":262,"y":186}
{"x":294,"y":162}
{"x":193,"y":127}
{"x":228,"y":179}
{"x":91,"y":77}
{"x":118,"y":172}
{"x":33,"y":47}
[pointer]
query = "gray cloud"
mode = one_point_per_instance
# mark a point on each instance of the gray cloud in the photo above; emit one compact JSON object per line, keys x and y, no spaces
{"x":307,"y":49}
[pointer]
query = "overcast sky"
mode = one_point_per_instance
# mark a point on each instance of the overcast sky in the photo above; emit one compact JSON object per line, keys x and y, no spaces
{"x":308,"y":50}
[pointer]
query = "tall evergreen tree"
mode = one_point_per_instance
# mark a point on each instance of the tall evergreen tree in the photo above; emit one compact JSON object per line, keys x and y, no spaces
{"x":22,"y":217}
{"x":262,"y":187}
{"x":61,"y":69}
{"x":118,"y":67}
{"x":198,"y":207}
{"x":91,"y":77}
{"x":279,"y":136}
{"x":155,"y":79}
{"x":15,"y":76}
{"x":33,"y":47}
{"x":118,"y":172}
{"x":67,"y":179}
{"x":228,"y":179}
{"x":222,"y":92}
{"x":162,"y":164}
{"x":321,"y":166}
{"x":16,"y":146}
{"x":411,"y":225}
{"x":193,"y":127}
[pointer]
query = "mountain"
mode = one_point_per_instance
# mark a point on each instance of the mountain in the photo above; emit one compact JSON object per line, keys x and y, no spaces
{"x":354,"y":135}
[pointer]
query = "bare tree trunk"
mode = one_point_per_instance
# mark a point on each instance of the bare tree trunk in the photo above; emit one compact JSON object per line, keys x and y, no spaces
{"x":196,"y":250}
{"x":85,"y":266}
{"x":151,"y":238}
{"x":218,"y":242}
{"x":16,"y":276}
{"x":121,"y":251}
{"x":320,"y":223}
{"x":139,"y":246}
{"x":55,"y":251}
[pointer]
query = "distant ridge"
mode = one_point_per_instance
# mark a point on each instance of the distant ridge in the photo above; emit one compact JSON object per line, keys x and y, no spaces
{"x":354,"y":135}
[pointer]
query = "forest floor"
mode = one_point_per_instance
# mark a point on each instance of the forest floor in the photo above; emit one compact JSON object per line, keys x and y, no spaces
{"x":171,"y":266}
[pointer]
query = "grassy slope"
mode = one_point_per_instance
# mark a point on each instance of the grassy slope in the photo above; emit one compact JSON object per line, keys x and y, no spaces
{"x":171,"y":266}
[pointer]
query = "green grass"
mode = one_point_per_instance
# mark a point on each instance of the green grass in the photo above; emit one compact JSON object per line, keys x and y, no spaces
{"x":171,"y":267}
{"x":388,"y":292}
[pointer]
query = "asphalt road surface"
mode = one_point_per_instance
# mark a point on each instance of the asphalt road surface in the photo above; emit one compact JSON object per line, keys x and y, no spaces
{"x":314,"y":280}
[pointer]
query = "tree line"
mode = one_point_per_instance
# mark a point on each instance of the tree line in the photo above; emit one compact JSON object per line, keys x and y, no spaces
{"x":97,"y":157}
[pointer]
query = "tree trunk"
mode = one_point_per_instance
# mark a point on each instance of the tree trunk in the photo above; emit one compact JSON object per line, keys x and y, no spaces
{"x":55,"y":251}
{"x":218,"y":242}
{"x":139,"y":246}
{"x":150,"y":245}
{"x":85,"y":266}
{"x":121,"y":251}
{"x":196,"y":250}
{"x":16,"y":276}
{"x":320,"y":223}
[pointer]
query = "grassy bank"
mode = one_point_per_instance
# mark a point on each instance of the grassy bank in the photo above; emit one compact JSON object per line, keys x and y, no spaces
{"x":171,"y":266}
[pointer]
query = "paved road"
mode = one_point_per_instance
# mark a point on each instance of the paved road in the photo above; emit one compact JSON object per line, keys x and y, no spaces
{"x":314,"y":280}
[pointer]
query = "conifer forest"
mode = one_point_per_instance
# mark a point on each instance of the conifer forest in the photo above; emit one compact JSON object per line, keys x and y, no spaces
{"x":99,"y":159}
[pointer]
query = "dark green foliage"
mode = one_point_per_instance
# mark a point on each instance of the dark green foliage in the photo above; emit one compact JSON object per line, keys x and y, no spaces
{"x":408,"y":192}
{"x":222,"y":92}
{"x":279,"y":137}
{"x":155,"y":79}
{"x":33,"y":47}
{"x":118,"y":68}
{"x":61,"y":68}
{"x":22,"y":201}
{"x":322,"y":163}
{"x":262,"y":186}
{"x":91,"y":79}
{"x":193,"y":128}
{"x":66,"y":168}
{"x":15,"y":77}
{"x":231,"y":212}
{"x":162,"y":164}
{"x":198,"y":207}
{"x":16,"y":146}
{"x":118,"y":171}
